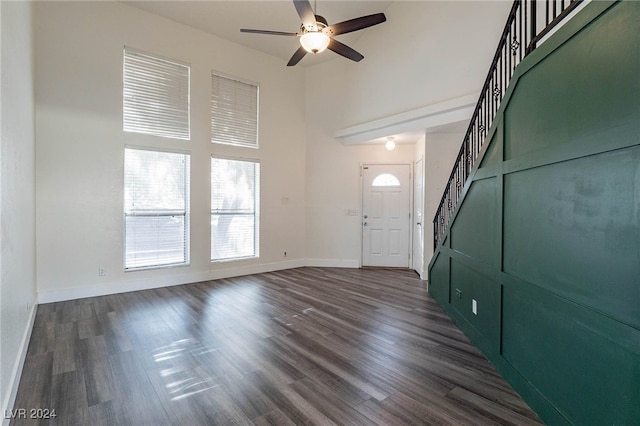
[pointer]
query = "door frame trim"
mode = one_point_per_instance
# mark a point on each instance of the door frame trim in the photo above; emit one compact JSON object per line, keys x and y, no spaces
{"x":411,"y":165}
{"x":413,"y":222}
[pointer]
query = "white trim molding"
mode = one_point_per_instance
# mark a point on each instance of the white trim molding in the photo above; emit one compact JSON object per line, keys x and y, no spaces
{"x":333,"y":263}
{"x":16,"y":373}
{"x":115,"y":287}
{"x":424,"y":118}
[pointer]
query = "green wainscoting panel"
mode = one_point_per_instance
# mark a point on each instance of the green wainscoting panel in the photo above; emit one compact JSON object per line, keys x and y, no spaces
{"x":474,"y":231}
{"x":493,"y":155}
{"x":573,"y":228}
{"x":586,"y":86}
{"x":546,"y":236}
{"x":468,"y":285}
{"x":588,"y":365}
{"x":439,"y":278}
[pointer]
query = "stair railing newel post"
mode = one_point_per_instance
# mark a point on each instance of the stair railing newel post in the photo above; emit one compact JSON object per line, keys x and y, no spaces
{"x":519,"y":38}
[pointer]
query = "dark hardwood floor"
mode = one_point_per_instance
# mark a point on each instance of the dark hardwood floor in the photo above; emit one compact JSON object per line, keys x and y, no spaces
{"x":302,"y":346}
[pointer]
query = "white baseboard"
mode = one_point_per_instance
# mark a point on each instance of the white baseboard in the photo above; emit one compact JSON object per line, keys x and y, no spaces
{"x":333,"y":263}
{"x":16,"y":373}
{"x":115,"y":287}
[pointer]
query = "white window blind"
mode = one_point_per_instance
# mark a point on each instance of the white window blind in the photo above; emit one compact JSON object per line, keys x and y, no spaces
{"x":235,"y":209}
{"x":156,"y":208}
{"x":155,"y":95}
{"x":234,"y":112}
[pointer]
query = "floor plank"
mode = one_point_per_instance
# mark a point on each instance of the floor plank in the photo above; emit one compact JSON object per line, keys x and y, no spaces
{"x":302,"y":346}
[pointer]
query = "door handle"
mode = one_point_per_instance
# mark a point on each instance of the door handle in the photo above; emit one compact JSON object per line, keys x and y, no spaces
{"x":419,"y":224}
{"x":365,"y":224}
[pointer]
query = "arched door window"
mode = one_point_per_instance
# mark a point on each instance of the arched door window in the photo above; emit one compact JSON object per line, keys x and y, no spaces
{"x":385,"y":179}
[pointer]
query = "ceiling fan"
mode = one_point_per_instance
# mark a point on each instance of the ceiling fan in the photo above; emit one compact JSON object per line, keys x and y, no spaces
{"x":316,"y":34}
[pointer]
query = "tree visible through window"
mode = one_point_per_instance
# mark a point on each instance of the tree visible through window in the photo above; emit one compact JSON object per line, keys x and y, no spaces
{"x":156,"y":208}
{"x":235,"y":209}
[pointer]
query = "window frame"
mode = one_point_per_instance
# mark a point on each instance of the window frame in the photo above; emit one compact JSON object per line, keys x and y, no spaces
{"x":256,"y":208}
{"x":169,"y":212}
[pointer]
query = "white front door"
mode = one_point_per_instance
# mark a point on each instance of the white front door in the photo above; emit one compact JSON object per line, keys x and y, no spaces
{"x":418,"y":222}
{"x":386,"y":218}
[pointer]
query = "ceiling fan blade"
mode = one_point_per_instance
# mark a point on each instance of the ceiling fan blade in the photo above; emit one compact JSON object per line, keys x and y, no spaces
{"x":280,"y":33}
{"x":305,"y":11}
{"x":356,"y":24}
{"x":299,"y":54}
{"x":344,"y":50}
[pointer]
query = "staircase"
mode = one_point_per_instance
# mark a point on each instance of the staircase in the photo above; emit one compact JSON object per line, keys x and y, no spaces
{"x":537,"y":253}
{"x":528,"y":23}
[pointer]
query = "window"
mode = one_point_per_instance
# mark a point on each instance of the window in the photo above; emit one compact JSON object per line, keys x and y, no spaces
{"x":156,"y":208}
{"x":155,"y":95}
{"x":234,"y":112}
{"x":385,"y":179}
{"x":235,"y":209}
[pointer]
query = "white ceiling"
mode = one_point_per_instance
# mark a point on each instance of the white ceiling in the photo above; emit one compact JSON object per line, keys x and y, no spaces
{"x":413,"y":137}
{"x":225,"y":18}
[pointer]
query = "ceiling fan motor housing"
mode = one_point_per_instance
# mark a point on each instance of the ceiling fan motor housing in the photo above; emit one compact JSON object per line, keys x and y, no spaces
{"x":321,"y":24}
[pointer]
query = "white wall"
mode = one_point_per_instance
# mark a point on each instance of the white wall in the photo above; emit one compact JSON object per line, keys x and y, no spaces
{"x":441,"y":149}
{"x":333,"y":172}
{"x":427,"y":52}
{"x":17,"y":208}
{"x":79,"y":161}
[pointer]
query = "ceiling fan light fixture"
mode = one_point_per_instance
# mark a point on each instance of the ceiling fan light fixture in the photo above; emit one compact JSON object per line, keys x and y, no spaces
{"x":314,"y":42}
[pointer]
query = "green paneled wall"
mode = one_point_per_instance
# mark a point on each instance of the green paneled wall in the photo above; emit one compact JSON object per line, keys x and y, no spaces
{"x":440,"y":270}
{"x":546,"y":238}
{"x":467,"y":285}
{"x":493,"y":155}
{"x":585,"y":364}
{"x":474,"y":231}
{"x":579,"y":220}
{"x":580,"y":90}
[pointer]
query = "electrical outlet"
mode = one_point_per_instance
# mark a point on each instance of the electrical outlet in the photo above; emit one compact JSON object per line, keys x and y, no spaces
{"x":102,"y":272}
{"x":474,"y":306}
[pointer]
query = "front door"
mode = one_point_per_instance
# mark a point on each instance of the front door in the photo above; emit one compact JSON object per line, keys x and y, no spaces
{"x":386,"y":217}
